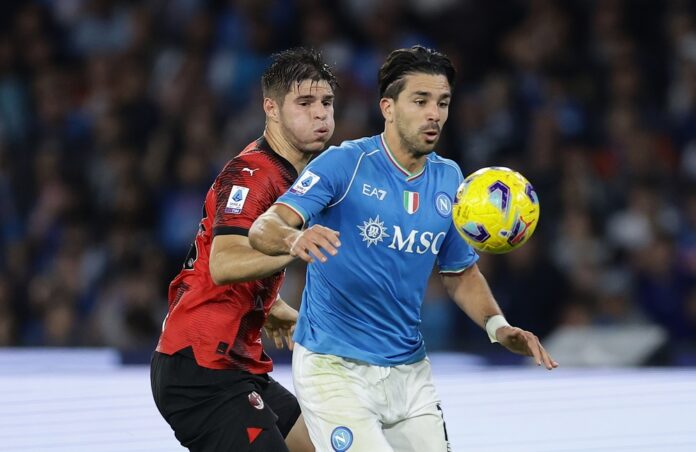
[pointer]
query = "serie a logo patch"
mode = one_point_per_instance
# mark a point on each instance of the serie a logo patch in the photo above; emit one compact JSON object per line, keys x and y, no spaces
{"x":304,"y":183}
{"x":235,"y":202}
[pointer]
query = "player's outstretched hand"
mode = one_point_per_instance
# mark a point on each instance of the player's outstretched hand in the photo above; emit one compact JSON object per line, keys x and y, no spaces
{"x":526,"y":343}
{"x":280,"y":323}
{"x":308,"y":244}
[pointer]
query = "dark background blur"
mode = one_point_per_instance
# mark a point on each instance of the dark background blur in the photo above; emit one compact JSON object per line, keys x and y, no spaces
{"x":115,"y":117}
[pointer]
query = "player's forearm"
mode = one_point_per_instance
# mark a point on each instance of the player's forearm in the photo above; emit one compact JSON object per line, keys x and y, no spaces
{"x":244,"y":264}
{"x":271,"y":235}
{"x":471,"y":293}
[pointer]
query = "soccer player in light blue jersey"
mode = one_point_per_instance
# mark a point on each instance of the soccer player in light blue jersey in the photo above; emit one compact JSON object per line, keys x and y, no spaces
{"x":359,"y":366}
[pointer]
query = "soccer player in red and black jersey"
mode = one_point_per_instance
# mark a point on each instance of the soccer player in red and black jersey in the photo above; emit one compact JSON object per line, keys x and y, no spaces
{"x":209,"y":373}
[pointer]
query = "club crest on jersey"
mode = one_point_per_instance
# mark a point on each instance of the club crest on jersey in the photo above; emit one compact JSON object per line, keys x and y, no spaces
{"x":443,"y":204}
{"x":411,"y":201}
{"x":304,"y":183}
{"x":236,"y":200}
{"x":341,"y":439}
{"x":255,"y":400}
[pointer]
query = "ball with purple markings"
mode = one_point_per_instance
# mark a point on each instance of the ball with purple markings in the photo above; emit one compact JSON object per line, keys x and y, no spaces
{"x":496,"y":210}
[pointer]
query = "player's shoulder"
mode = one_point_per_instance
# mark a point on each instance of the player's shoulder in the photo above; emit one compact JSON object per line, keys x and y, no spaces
{"x":253,"y":158}
{"x":446,"y":166}
{"x":349,"y":151}
{"x":364,"y":144}
{"x":254,"y":154}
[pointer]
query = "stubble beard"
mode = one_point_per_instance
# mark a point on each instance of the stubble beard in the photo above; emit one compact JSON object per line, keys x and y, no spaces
{"x":411,"y":142}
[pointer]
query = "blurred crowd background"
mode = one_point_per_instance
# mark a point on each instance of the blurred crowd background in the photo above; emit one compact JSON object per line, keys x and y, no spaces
{"x":115,"y":117}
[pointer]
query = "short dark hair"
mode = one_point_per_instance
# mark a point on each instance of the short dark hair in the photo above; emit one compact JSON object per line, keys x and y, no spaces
{"x":293,"y":66}
{"x":417,"y":59}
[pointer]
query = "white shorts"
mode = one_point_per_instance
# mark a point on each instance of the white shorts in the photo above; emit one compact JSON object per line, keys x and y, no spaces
{"x":358,"y":407}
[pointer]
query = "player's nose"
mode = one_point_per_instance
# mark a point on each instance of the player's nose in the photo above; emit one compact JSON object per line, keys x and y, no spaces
{"x":433,"y":113}
{"x":320,"y":112}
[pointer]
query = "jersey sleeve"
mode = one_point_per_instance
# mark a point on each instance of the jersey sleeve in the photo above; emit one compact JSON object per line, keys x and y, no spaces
{"x":455,"y":254}
{"x":322,"y":183}
{"x":245,"y":188}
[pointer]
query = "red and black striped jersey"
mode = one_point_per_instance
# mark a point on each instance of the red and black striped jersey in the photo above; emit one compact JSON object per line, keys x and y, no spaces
{"x":223,"y":323}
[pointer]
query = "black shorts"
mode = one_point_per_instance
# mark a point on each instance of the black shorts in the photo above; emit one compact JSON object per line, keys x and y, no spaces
{"x":221,"y":410}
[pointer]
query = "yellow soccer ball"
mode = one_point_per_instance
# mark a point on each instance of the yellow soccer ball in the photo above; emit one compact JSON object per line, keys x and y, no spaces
{"x":496,"y":210}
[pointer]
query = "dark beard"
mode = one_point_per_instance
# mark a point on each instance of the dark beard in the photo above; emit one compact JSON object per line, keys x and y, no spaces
{"x":412,"y":147}
{"x":414,"y":151}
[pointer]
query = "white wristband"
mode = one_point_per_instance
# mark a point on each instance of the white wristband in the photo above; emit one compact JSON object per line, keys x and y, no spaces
{"x":492,"y":325}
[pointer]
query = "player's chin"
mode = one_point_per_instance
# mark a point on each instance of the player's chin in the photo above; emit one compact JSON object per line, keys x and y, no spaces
{"x":317,"y":145}
{"x":430,"y":144}
{"x":427,"y":148}
{"x":313,"y":148}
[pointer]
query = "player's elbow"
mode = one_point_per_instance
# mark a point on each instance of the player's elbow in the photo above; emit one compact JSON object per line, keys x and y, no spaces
{"x":266,"y":234}
{"x":255,"y":235}
{"x":216,"y":273}
{"x":224,"y":274}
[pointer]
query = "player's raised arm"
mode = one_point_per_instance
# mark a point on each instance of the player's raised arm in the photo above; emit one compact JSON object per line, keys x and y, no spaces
{"x":276,"y":232}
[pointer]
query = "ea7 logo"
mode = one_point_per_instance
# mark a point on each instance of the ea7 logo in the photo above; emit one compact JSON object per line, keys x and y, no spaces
{"x":424,"y":241}
{"x":369,"y":190}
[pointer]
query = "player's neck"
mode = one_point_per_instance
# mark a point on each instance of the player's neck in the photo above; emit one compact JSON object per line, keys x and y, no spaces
{"x":408,"y":161}
{"x":283,"y":147}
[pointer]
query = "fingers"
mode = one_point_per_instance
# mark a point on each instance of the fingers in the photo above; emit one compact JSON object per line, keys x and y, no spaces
{"x":549,"y":363}
{"x":538,"y":352}
{"x":278,"y":338}
{"x":291,"y":331}
{"x":533,"y":346}
{"x":280,"y":334}
{"x":526,"y":343}
{"x":274,"y":334}
{"x":289,"y":340}
{"x":309,"y":244}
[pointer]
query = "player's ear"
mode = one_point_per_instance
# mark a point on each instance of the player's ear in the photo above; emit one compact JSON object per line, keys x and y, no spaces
{"x":386,"y":104}
{"x":270,"y":107}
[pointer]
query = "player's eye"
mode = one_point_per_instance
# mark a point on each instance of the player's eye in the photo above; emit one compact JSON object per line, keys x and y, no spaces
{"x":419,"y":102}
{"x":444,"y":104}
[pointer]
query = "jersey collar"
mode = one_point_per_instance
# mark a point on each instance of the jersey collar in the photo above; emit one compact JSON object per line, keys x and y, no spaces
{"x":263,"y":145}
{"x":409,"y":176}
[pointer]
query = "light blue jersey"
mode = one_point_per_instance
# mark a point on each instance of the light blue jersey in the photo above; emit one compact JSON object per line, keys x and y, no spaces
{"x":364,"y":303}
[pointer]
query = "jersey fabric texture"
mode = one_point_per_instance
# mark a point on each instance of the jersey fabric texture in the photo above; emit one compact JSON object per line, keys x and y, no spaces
{"x":222,"y":323}
{"x":364,"y":303}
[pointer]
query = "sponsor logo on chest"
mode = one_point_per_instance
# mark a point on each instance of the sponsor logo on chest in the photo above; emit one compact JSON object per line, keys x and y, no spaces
{"x":373,"y":231}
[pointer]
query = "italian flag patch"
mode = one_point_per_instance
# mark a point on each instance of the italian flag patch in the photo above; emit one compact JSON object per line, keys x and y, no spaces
{"x":411,"y":201}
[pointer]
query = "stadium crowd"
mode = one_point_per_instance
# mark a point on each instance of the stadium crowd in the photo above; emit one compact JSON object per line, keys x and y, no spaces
{"x":115,"y":117}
